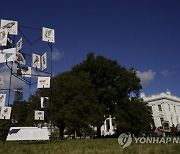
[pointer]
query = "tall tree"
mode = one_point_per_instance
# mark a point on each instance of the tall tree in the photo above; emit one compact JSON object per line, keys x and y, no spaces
{"x":110,"y":81}
{"x":74,"y":103}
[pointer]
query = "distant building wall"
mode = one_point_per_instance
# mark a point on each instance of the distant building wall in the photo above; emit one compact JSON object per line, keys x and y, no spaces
{"x":165,"y":107}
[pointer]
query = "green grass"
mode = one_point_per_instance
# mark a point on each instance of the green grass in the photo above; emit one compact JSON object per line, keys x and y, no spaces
{"x":93,"y":146}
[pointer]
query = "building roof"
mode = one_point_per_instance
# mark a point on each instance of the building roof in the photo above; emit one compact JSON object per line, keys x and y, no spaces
{"x":164,"y":95}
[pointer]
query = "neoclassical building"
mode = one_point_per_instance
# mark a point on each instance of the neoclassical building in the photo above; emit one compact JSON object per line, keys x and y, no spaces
{"x":165,"y":107}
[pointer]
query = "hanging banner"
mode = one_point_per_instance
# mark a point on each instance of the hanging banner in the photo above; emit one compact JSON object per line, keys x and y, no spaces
{"x":20,"y":58}
{"x":36,"y":62}
{"x":44,"y":102}
{"x":48,"y":35}
{"x":11,"y":26}
{"x":44,"y":61}
{"x":39,"y":115}
{"x":5,"y":112}
{"x":43,"y":82}
{"x":7,"y":55}
{"x":1,"y":81}
{"x":26,"y":73}
{"x":19,"y":45}
{"x":18,"y":94}
{"x":28,"y":134}
{"x":3,"y":37}
{"x":2,"y":100}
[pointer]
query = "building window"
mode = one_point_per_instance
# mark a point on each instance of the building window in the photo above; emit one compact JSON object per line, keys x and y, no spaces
{"x":169,"y":107}
{"x":174,"y":109}
{"x":161,"y":119}
{"x":160,"y":108}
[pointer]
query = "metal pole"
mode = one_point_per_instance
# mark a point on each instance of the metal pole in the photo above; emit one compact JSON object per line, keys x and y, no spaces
{"x":51,"y":90}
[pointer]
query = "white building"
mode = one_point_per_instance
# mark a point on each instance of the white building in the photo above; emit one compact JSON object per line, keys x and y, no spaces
{"x":165,"y":107}
{"x":108,"y":128}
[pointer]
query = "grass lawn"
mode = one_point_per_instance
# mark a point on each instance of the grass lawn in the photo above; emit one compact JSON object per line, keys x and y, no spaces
{"x":88,"y":146}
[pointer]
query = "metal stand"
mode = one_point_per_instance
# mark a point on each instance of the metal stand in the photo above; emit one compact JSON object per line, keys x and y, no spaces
{"x":29,"y":82}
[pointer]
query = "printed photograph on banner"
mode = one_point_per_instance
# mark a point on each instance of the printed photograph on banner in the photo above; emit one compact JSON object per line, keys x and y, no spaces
{"x":20,"y":58}
{"x":44,"y":102}
{"x":2,"y":100}
{"x":1,"y":81}
{"x":18,"y":94}
{"x":39,"y":115}
{"x":9,"y":43}
{"x":44,"y":61}
{"x":26,"y":73}
{"x":19,"y":45}
{"x":36,"y":61}
{"x":5,"y":113}
{"x":7,"y":55}
{"x":43,"y":82}
{"x":48,"y":35}
{"x":3,"y":37}
{"x":11,"y":26}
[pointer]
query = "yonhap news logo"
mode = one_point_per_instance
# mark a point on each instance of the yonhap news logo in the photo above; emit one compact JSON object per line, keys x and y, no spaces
{"x":125,"y":140}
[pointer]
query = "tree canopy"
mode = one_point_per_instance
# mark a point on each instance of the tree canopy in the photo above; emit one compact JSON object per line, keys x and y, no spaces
{"x":90,"y":92}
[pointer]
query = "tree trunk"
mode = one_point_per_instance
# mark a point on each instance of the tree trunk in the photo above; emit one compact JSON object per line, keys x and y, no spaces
{"x":61,"y":131}
{"x":98,"y":131}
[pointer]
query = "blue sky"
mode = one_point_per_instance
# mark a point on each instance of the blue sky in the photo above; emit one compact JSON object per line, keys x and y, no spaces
{"x":143,"y":34}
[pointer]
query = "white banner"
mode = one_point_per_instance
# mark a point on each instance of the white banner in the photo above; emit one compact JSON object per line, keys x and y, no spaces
{"x":44,"y":102}
{"x":2,"y":100}
{"x":5,"y":112}
{"x":11,"y":26}
{"x":28,"y":134}
{"x":43,"y":82}
{"x":48,"y":35}
{"x":20,"y":58}
{"x":7,"y":55}
{"x":19,"y":45}
{"x":39,"y":115}
{"x":36,"y":61}
{"x":44,"y":61}
{"x":26,"y":73}
{"x":3,"y":37}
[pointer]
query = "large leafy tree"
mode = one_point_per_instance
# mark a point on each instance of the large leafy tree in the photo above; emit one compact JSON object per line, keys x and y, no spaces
{"x":111,"y":83}
{"x":73,"y":102}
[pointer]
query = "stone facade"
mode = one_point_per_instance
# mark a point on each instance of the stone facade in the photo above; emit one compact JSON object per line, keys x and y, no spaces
{"x":165,"y":107}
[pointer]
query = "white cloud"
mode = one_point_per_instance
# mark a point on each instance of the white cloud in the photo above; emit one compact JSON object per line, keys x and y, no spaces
{"x":15,"y":82}
{"x":167,"y":73}
{"x":57,"y":55}
{"x":146,"y":77}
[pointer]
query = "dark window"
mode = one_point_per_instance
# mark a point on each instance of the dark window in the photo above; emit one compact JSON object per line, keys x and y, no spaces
{"x":160,"y":108}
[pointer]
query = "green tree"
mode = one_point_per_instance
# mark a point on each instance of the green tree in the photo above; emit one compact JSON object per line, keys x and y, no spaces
{"x":19,"y":112}
{"x":111,"y":84}
{"x":74,"y":103}
{"x":133,"y":115}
